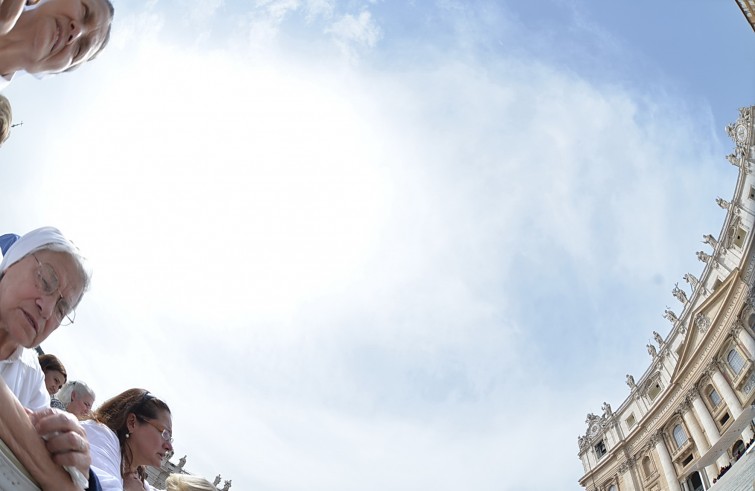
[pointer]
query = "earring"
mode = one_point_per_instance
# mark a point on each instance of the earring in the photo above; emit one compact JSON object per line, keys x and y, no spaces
{"x":128,"y":435}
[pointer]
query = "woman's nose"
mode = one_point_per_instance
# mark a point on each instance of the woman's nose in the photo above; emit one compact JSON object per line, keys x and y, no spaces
{"x":46,"y":304}
{"x":74,"y":31}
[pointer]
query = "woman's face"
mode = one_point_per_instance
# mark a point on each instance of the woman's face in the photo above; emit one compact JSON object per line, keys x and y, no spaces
{"x":80,"y":405}
{"x":54,"y":380}
{"x":148,"y":447}
{"x":28,"y":315}
{"x":62,"y":34}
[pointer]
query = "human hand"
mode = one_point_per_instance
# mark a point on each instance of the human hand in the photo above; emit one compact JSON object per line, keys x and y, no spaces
{"x":64,"y":438}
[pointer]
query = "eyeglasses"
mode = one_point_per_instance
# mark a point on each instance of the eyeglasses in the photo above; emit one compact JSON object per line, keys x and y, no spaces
{"x":167,"y":435}
{"x":47,"y":282}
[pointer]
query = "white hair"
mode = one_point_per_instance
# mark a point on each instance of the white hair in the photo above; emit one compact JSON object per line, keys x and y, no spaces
{"x":187,"y":482}
{"x":80,"y":388}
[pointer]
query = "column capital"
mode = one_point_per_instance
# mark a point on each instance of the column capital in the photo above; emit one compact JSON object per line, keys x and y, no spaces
{"x":713,"y":367}
{"x":692,"y":394}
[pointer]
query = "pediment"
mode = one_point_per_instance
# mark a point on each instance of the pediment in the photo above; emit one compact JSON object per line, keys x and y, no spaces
{"x":703,"y":322}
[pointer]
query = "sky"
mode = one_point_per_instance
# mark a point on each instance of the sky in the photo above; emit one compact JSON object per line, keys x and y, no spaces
{"x":369,"y":245}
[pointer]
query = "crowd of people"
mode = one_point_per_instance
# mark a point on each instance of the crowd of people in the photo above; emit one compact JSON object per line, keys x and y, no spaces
{"x":48,"y":422}
{"x":737,"y":455}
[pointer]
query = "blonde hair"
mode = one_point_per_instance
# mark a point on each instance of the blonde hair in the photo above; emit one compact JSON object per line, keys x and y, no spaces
{"x":6,"y":118}
{"x":187,"y":482}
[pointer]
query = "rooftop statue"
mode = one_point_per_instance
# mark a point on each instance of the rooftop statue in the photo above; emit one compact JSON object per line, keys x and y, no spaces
{"x":658,"y":338}
{"x":669,"y":315}
{"x":703,"y":257}
{"x":693,"y":282}
{"x":710,"y":240}
{"x":723,"y":203}
{"x":651,"y":350}
{"x":679,"y":293}
{"x":630,"y":382}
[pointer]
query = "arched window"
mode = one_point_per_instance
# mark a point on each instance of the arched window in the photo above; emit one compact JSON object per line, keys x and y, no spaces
{"x":735,"y":361}
{"x":715,"y":399}
{"x":612,"y":488}
{"x":680,"y":437}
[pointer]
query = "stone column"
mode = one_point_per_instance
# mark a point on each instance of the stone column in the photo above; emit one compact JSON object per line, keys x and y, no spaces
{"x":627,"y":470}
{"x":748,"y":342}
{"x":697,"y":436}
{"x":730,"y":397}
{"x":704,"y":416}
{"x":668,"y":467}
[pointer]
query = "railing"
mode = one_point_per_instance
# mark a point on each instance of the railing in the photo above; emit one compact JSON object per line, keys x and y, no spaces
{"x":13,"y":477}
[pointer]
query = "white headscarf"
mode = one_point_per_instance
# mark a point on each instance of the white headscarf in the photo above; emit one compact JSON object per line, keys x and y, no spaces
{"x":43,"y":238}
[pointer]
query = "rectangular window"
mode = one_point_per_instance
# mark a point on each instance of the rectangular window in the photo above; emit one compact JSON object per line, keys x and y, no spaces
{"x":654,"y":391}
{"x":724,"y":419}
{"x":600,"y":449}
{"x":739,"y":237}
{"x":631,"y":421}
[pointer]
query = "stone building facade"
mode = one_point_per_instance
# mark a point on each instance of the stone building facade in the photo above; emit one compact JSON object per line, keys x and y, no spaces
{"x":691,"y":413}
{"x":748,"y":8}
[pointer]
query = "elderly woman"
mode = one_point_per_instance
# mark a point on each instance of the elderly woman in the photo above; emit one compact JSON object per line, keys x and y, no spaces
{"x":42,"y":280}
{"x":131,"y":430}
{"x":77,"y":398}
{"x":53,"y":36}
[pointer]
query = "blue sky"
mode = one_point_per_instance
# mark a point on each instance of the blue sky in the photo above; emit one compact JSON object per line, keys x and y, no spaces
{"x":382,"y":245}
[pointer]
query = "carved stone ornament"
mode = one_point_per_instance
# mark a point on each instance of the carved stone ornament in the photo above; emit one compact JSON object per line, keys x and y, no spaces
{"x":712,"y":367}
{"x":691,"y":395}
{"x":737,"y":328}
{"x":750,"y":384}
{"x":702,"y":322}
{"x":732,"y":231}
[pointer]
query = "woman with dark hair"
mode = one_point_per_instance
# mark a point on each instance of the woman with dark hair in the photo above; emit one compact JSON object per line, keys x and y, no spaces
{"x":130,"y":430}
{"x":55,"y":372}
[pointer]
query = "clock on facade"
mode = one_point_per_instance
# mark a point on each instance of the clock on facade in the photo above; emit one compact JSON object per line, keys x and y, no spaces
{"x":740,"y":133}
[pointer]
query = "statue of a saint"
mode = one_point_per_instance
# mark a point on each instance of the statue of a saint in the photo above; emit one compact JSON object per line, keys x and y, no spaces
{"x":703,"y":257}
{"x":217,"y":480}
{"x":679,"y":293}
{"x":227,"y":485}
{"x":630,"y":382}
{"x":733,"y":160}
{"x":693,"y":282}
{"x":182,"y":462}
{"x":606,"y":409}
{"x":658,"y":338}
{"x":710,"y":240}
{"x":723,"y":203}
{"x":651,"y":350}
{"x":669,"y":315}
